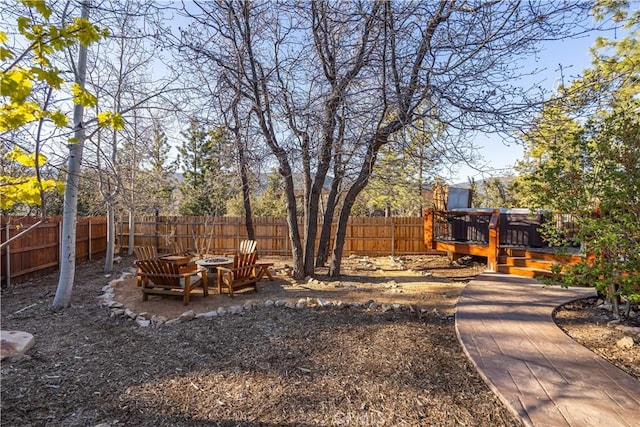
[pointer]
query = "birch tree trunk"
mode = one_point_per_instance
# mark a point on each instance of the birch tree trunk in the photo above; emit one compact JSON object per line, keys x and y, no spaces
{"x":70,"y":210}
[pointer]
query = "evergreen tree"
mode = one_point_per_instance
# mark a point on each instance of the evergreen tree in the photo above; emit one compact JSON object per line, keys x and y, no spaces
{"x":584,"y":158}
{"x":205,"y":161}
{"x":162,"y":170}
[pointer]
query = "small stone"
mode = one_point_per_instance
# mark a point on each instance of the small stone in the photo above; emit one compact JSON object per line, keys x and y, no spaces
{"x":357,"y":305}
{"x":235,"y":309}
{"x":280,"y":303}
{"x":386,"y":307}
{"x":625,"y":343}
{"x":106,"y":288}
{"x":397,"y":307}
{"x":143,"y":315}
{"x":290,"y":305}
{"x":15,"y":343}
{"x":172,"y":321}
{"x":109,"y":295}
{"x":629,"y":329}
{"x":248,"y":306}
{"x":207,"y":315}
{"x":115,"y":304}
{"x":222,"y":311}
{"x":268,"y":303}
{"x":158,"y":320}
{"x":143,"y":323}
{"x":130,"y":314}
{"x":374,"y":305}
{"x":339,"y":304}
{"x":323,"y":302}
{"x":117,"y":311}
{"x":301,"y":304}
{"x":187,"y":316}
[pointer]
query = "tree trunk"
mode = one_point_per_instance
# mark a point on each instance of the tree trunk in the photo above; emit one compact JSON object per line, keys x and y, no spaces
{"x":325,"y":233}
{"x":62,"y":298}
{"x":378,"y":140}
{"x":131,"y":231}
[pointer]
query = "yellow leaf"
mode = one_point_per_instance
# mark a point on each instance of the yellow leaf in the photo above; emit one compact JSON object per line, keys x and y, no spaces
{"x":107,"y":118}
{"x":16,"y":84}
{"x":13,"y":115}
{"x":83,"y":97}
{"x":25,"y":159}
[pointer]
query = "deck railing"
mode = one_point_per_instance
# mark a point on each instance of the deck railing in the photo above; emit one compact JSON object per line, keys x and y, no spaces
{"x":483,"y":232}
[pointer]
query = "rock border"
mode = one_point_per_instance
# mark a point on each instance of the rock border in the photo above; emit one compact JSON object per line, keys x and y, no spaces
{"x":117,"y":309}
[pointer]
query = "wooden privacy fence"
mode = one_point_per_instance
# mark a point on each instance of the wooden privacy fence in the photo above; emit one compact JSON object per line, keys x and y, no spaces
{"x":374,"y":236}
{"x":38,"y":252}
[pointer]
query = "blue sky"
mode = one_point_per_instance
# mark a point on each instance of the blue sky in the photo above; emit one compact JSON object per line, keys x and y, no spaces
{"x":498,"y":158}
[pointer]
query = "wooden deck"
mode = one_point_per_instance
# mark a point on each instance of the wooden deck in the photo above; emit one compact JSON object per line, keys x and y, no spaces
{"x":510,"y":241}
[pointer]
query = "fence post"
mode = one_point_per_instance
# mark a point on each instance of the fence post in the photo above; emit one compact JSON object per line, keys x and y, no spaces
{"x":155,"y":229}
{"x":428,"y":228}
{"x":59,"y":244}
{"x":7,"y":254}
{"x":393,"y":238}
{"x":494,"y":232}
{"x":89,"y":241}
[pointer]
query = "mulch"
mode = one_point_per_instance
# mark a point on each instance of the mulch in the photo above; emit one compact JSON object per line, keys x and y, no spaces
{"x":265,"y":367}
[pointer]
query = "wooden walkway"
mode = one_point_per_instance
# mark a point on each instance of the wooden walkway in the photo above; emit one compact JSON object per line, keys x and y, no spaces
{"x":506,"y":328}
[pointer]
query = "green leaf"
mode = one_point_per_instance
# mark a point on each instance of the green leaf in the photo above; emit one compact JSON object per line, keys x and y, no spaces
{"x":59,"y":119}
{"x":40,"y":6}
{"x":5,"y":54}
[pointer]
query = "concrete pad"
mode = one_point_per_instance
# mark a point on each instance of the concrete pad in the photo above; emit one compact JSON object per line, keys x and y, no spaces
{"x":13,"y":343}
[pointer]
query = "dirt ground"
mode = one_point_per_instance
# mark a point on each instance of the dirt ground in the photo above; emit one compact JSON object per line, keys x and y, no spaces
{"x":276,"y":366}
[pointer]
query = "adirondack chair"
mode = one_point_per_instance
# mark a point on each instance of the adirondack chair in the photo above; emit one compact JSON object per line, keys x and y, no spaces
{"x":179,"y":248}
{"x":160,"y":277}
{"x":261,"y":268}
{"x":142,"y":253}
{"x":247,"y":246}
{"x":241,"y":276}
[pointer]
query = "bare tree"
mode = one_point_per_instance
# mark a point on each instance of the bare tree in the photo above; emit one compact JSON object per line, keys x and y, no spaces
{"x":331,"y":82}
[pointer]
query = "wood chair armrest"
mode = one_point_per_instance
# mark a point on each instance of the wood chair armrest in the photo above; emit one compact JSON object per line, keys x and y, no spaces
{"x":233,"y":270}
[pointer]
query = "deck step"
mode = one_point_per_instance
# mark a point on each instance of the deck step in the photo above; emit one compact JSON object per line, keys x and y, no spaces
{"x":540,"y":255}
{"x":539,"y":264}
{"x":524,"y":271}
